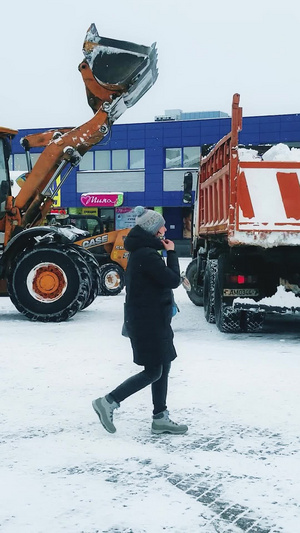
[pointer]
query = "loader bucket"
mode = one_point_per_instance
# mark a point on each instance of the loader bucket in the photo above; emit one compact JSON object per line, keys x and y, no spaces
{"x":128,"y":67}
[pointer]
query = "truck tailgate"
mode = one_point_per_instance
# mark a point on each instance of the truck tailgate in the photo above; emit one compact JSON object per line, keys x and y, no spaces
{"x":268,"y":204}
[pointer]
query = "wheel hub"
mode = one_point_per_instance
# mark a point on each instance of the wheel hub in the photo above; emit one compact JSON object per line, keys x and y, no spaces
{"x":47,"y":282}
{"x":112,"y":280}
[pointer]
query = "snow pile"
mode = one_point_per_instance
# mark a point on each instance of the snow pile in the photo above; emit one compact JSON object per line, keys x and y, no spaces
{"x":278,"y":152}
{"x":248,"y":154}
{"x":266,"y":235}
{"x":282,"y":298}
{"x":281,"y":152}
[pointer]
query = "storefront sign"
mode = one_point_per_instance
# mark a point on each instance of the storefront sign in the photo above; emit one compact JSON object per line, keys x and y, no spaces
{"x":58,"y":212}
{"x":98,"y":199}
{"x":89,"y":211}
{"x":57,"y":197}
{"x":125,"y":217}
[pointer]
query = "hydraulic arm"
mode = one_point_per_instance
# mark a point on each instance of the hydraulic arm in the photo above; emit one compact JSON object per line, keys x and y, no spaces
{"x":116,"y":74}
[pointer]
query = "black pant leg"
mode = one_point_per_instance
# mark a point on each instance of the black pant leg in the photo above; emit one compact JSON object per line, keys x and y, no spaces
{"x":160,"y":390}
{"x":137,"y":382}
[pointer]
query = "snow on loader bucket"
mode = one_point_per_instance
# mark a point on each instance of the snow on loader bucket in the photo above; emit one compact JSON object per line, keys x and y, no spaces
{"x":127,"y":69}
{"x":49,"y":278}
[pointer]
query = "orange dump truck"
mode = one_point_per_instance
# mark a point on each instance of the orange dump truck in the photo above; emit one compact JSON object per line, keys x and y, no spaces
{"x":246,"y":231}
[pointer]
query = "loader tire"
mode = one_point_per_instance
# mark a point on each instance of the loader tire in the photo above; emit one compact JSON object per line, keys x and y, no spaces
{"x":228,"y":319}
{"x":93,"y":266}
{"x":196,"y":292}
{"x":209,"y":290}
{"x":49,"y":283}
{"x":112,"y":279}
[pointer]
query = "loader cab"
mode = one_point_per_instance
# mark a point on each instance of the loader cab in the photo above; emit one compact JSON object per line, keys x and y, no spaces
{"x":5,"y":150}
{"x":5,"y":185}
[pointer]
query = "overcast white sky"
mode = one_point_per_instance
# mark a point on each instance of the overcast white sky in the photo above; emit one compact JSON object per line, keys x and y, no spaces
{"x":207,"y":51}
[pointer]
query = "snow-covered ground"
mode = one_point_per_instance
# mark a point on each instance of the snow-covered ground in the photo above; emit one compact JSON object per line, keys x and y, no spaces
{"x":237,"y":469}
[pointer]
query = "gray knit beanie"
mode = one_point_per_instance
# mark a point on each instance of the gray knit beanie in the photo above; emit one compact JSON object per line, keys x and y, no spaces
{"x":149,"y":220}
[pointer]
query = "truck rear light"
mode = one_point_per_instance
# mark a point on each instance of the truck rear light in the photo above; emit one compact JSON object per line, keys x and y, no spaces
{"x":241,"y":279}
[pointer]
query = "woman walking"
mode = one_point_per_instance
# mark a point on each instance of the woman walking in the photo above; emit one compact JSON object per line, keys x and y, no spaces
{"x":147,"y":320}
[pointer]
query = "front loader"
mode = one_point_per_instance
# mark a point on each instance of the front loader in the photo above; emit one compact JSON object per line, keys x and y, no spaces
{"x":108,"y":249}
{"x":106,"y":246}
{"x":48,"y":276}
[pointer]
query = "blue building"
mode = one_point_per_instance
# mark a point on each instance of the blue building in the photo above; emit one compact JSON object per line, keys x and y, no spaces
{"x":144,"y":164}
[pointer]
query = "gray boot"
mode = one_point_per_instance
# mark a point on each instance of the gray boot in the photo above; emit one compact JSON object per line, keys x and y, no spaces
{"x":162,"y":424}
{"x":105,"y":410}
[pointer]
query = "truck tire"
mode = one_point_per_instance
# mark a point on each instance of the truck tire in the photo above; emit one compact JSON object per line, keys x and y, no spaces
{"x":196,"y":292}
{"x":49,"y":283}
{"x":228,"y":320}
{"x":93,"y":266}
{"x":112,"y":279}
{"x":253,"y":321}
{"x":209,"y":290}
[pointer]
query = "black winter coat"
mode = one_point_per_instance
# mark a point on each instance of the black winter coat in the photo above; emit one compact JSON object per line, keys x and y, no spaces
{"x":148,"y":303}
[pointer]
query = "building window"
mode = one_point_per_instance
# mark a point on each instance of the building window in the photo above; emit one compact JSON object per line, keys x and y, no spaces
{"x":187,"y":157}
{"x":130,"y":181}
{"x":34,"y":157}
{"x":113,"y":160}
{"x":102,"y":160}
{"x":173,"y":157}
{"x":119,"y":159}
{"x":137,"y":158}
{"x":191,"y":156}
{"x":87,"y":162}
{"x":20,"y":162}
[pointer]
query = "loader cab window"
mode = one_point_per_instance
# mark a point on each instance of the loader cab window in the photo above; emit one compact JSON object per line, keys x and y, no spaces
{"x":95,"y":226}
{"x":80,"y":223}
{"x":5,"y":188}
{"x":107,"y":216}
{"x":2,"y":161}
{"x":90,"y":223}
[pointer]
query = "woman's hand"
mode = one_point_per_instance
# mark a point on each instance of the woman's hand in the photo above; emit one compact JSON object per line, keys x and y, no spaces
{"x":168,"y":245}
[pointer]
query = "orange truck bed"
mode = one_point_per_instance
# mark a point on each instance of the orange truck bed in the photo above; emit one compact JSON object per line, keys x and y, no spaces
{"x":249,"y":202}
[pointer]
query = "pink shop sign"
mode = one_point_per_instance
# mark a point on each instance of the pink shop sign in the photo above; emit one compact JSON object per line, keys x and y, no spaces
{"x":98,"y":199}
